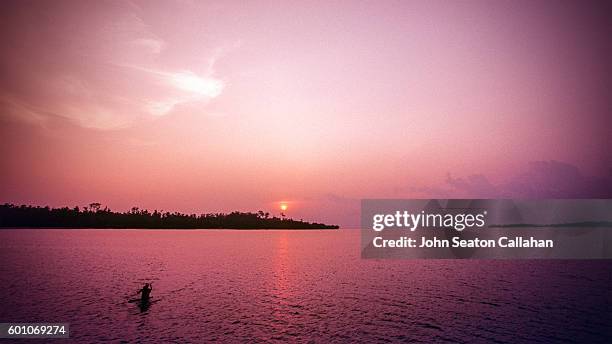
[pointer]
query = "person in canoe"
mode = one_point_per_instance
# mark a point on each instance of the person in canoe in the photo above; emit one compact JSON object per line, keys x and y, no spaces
{"x":145,"y":292}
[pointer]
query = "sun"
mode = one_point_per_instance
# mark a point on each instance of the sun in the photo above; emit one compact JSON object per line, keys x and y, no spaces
{"x":283,"y":206}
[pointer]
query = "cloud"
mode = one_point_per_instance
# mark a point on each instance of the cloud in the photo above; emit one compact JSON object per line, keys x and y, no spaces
{"x":74,"y":67}
{"x":161,"y":107}
{"x":554,"y":179}
{"x":477,"y":185}
{"x":150,"y":45}
{"x":206,"y":87}
{"x":13,"y":109}
{"x":178,"y":88}
{"x":541,"y":179}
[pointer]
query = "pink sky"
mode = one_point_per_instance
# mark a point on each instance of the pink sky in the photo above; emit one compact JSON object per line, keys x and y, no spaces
{"x":203,"y":107}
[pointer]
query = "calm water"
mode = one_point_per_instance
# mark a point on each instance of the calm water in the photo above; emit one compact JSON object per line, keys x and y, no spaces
{"x":290,"y":286}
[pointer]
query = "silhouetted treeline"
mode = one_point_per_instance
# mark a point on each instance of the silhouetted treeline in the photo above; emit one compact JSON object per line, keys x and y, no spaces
{"x":96,"y":217}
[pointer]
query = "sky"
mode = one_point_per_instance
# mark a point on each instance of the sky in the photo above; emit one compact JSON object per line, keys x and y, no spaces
{"x":203,"y":107}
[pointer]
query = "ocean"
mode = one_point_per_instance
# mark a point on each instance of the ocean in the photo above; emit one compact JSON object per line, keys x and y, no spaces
{"x":289,"y":286}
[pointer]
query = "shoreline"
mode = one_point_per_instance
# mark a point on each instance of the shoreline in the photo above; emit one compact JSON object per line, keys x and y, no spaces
{"x":177,"y":229}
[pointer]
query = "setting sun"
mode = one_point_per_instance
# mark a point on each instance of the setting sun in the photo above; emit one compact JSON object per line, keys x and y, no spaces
{"x":283,"y":206}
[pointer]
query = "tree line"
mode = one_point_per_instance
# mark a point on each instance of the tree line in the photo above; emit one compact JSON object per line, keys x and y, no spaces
{"x":94,"y":216}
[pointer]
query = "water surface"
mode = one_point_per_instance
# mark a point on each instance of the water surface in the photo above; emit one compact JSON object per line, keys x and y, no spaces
{"x":279,"y":286}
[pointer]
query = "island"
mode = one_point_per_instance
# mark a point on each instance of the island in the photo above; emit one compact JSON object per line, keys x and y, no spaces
{"x":94,"y":216}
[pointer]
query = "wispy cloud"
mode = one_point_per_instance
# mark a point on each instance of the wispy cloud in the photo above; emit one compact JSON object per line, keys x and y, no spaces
{"x":181,"y":87}
{"x":151,"y":45}
{"x":114,"y":73}
{"x":204,"y":86}
{"x":15,"y":109}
